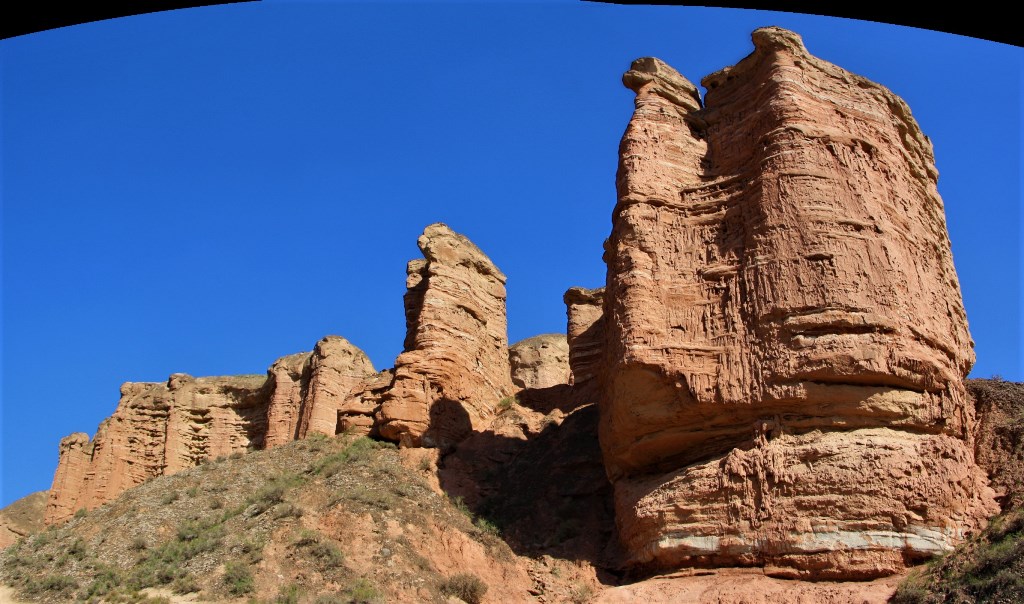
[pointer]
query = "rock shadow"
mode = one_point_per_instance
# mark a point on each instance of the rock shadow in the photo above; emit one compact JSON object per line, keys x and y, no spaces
{"x":547,"y":494}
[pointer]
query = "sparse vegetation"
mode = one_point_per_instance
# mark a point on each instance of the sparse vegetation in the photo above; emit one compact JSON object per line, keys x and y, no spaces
{"x":361,"y":592}
{"x":987,"y":568}
{"x":581,"y":593}
{"x":506,"y":403}
{"x":139,"y":542}
{"x":465,"y":586}
{"x":238,"y":578}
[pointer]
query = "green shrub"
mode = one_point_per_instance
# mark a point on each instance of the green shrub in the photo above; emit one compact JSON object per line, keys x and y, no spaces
{"x":81,"y":513}
{"x":169,"y":498}
{"x":287,"y":510}
{"x":238,"y":578}
{"x":326,"y":555}
{"x":361,"y":592}
{"x":465,"y":586}
{"x":288,"y":594}
{"x":360,"y":451}
{"x":185,"y":584}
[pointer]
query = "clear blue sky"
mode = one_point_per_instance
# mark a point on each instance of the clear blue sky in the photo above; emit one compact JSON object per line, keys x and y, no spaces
{"x":206,"y":190}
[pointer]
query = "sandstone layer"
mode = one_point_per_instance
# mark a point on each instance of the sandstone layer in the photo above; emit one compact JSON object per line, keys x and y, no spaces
{"x":785,"y":340}
{"x":539,"y":362}
{"x":164,"y":428}
{"x":455,"y":367}
{"x":584,"y":309}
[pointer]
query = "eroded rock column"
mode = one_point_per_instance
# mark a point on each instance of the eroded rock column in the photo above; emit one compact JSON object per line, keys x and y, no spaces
{"x":786,"y":341}
{"x":455,"y":367}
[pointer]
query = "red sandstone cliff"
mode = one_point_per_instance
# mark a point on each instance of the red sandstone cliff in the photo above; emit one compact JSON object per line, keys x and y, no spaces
{"x":453,"y":373}
{"x":785,"y":344}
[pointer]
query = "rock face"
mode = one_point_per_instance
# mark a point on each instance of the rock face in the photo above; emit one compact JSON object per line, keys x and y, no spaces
{"x":455,"y":366}
{"x":540,"y":362}
{"x":999,"y":437}
{"x":785,"y":341}
{"x":164,"y":428}
{"x":158,"y":428}
{"x":454,"y":372}
{"x":584,"y":309}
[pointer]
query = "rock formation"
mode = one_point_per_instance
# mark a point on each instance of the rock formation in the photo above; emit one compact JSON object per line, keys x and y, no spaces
{"x":540,"y":362}
{"x":785,"y":338}
{"x":584,"y":309}
{"x":778,"y":354}
{"x":454,"y":371}
{"x":164,"y":428}
{"x":455,"y":367}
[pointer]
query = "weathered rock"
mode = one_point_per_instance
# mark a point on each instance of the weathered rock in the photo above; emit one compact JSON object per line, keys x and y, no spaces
{"x":289,"y":382}
{"x":540,"y":362}
{"x":357,"y":413}
{"x":22,"y":518}
{"x":164,"y":428}
{"x":584,"y":310}
{"x":158,"y":428}
{"x":455,"y":367}
{"x":747,"y":586}
{"x":337,"y":368}
{"x":785,"y":337}
{"x":999,"y":437}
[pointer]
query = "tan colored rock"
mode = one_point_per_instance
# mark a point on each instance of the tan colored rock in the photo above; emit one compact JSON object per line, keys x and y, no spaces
{"x":584,"y":310}
{"x":337,"y":368}
{"x":455,"y":367}
{"x":780,"y":287}
{"x":358,"y":412}
{"x":289,"y":382}
{"x":540,"y":362}
{"x":164,"y":428}
{"x":158,"y":428}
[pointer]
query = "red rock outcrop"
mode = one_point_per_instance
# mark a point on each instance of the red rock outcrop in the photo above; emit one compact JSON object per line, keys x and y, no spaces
{"x":337,"y":370}
{"x":455,"y":367}
{"x":164,"y":428}
{"x":540,"y":362}
{"x":584,"y":309}
{"x":785,"y":338}
{"x":290,"y":381}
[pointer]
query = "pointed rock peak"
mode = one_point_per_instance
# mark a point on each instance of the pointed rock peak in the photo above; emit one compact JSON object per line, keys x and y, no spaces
{"x":667,"y":82}
{"x":439,"y":243}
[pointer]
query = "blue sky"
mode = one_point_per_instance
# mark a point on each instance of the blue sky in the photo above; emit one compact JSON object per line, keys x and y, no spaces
{"x":206,"y":190}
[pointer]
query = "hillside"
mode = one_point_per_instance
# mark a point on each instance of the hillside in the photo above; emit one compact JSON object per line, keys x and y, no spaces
{"x":324,"y":520}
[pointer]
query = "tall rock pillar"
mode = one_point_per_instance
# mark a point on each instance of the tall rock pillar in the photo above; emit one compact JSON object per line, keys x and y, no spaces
{"x":786,"y":341}
{"x":455,"y":368}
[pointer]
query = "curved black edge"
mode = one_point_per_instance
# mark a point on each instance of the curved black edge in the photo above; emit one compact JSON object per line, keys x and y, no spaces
{"x":39,"y":15}
{"x":975,"y":20}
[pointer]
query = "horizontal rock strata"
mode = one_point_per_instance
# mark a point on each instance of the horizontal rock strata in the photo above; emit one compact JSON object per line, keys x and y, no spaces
{"x":584,"y":309}
{"x":781,"y":298}
{"x":164,"y":428}
{"x":455,"y":368}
